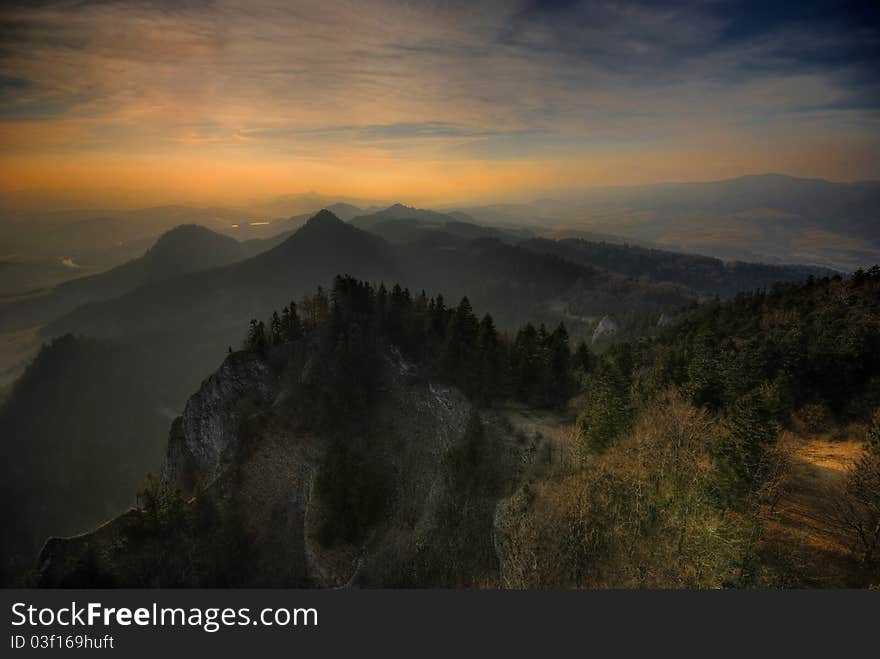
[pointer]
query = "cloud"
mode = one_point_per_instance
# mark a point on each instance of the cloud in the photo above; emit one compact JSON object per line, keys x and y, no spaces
{"x":347,"y":82}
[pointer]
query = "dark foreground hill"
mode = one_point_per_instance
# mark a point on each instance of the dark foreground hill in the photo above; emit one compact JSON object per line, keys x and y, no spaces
{"x":375,"y":438}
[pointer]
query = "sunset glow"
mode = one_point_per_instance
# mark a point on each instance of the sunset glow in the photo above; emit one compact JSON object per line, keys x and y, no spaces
{"x":128,"y":103}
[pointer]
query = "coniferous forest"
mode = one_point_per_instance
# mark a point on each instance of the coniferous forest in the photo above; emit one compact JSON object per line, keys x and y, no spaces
{"x":719,"y":391}
{"x":675,"y":457}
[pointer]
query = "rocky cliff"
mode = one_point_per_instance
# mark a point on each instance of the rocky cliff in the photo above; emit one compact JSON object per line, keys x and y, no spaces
{"x":238,"y":504}
{"x":206,"y":437}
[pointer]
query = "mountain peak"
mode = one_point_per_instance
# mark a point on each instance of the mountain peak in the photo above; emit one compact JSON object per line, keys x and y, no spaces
{"x":324,"y":218}
{"x":189,"y":247}
{"x":184,"y":232}
{"x":184,"y":237}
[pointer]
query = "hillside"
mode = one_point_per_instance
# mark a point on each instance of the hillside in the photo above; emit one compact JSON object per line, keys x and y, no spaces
{"x":401,"y":212}
{"x":187,"y":323}
{"x":79,"y":428}
{"x":359,"y":441}
{"x":212,"y":303}
{"x":187,"y":248}
{"x":769,"y":218}
{"x":702,"y":275}
{"x":403,"y":224}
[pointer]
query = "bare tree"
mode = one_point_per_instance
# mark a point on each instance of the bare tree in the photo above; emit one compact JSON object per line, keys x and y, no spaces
{"x":856,"y":508}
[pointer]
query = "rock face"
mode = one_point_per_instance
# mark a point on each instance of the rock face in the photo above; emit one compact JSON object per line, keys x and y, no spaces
{"x":605,"y":329}
{"x":264,"y":498}
{"x":253,"y":507}
{"x":206,"y":436}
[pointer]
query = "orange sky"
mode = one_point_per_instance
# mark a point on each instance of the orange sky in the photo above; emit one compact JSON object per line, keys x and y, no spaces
{"x":125,"y":104}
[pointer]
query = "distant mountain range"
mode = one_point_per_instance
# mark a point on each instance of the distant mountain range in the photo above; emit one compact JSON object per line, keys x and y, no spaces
{"x":403,"y":224}
{"x":767,"y":218}
{"x":535,"y":280}
{"x":771,"y":218}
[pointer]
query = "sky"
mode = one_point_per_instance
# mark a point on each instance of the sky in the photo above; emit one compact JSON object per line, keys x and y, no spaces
{"x":131,"y":103}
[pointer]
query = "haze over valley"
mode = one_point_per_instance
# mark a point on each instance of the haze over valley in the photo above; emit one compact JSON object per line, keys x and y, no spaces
{"x":493,"y":295}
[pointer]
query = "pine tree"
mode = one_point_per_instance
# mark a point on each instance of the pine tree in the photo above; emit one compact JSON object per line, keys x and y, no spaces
{"x":490,"y":360}
{"x":315,"y":308}
{"x":525,"y":365}
{"x":608,"y":413}
{"x":705,"y":376}
{"x":439,"y":319}
{"x":290,"y":322}
{"x":276,"y":329}
{"x":256,"y":338}
{"x":744,"y":455}
{"x":581,"y":364}
{"x":460,"y":347}
{"x":559,"y":367}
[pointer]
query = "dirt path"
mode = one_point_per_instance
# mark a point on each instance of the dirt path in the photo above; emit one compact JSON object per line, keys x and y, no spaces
{"x":802,"y":542}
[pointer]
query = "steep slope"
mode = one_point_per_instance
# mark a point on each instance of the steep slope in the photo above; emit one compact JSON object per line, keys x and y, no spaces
{"x":187,"y":248}
{"x":259,"y":495}
{"x":192,"y":319}
{"x":518,"y":285}
{"x":156,"y":344}
{"x":327,"y":457}
{"x":345,"y":211}
{"x":212,"y":303}
{"x":324,"y":457}
{"x":78,"y":432}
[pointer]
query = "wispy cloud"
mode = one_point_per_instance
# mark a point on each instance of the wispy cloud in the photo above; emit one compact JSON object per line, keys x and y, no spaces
{"x":340,"y":83}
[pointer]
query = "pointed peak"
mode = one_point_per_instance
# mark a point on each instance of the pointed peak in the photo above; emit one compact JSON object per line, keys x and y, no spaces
{"x":323,"y":217}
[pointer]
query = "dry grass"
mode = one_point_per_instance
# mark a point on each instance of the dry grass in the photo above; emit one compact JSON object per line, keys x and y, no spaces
{"x":802,"y":542}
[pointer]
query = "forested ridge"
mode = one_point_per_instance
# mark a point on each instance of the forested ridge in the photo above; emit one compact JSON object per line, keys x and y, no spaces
{"x":344,"y":332}
{"x":671,"y":471}
{"x":722,"y":384}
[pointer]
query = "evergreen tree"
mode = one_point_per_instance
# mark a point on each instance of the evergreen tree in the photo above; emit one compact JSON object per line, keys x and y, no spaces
{"x":608,"y":413}
{"x":256,"y":338}
{"x":744,"y":455}
{"x":290,"y":322}
{"x":582,"y":360}
{"x":525,"y":363}
{"x":459,"y":365}
{"x":276,"y":329}
{"x":559,"y":367}
{"x":705,"y":384}
{"x":490,"y":360}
